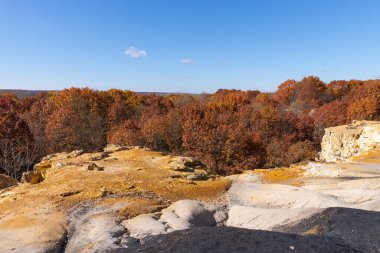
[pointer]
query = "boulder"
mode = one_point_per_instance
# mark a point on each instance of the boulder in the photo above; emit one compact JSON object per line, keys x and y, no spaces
{"x":6,"y":181}
{"x":182,"y":214}
{"x":32,"y":177}
{"x":98,"y":156}
{"x":187,"y":213}
{"x":92,"y":166}
{"x":75,"y":153}
{"x":93,"y":229}
{"x":185,"y":164}
{"x":197,"y":177}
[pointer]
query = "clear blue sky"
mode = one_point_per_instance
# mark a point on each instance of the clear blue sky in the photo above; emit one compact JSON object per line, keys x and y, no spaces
{"x":186,"y":46}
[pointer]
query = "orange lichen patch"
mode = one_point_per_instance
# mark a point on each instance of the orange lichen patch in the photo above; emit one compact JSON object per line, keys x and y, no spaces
{"x":137,"y":172}
{"x":314,"y":231}
{"x":371,"y":156}
{"x":141,"y":206}
{"x":289,"y":175}
{"x":205,"y":190}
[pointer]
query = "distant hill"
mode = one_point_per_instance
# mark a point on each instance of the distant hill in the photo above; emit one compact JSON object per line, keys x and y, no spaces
{"x":30,"y":93}
{"x":22,"y":93}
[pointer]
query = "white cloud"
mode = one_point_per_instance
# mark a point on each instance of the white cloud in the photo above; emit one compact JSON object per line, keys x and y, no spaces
{"x":134,"y":52}
{"x":186,"y":61}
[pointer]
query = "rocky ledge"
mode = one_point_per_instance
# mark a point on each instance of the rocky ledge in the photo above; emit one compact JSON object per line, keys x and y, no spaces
{"x":131,"y":199}
{"x":342,"y":142}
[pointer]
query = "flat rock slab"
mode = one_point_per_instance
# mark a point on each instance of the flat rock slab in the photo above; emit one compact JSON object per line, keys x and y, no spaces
{"x":227,"y":239}
{"x":266,"y":219}
{"x":356,"y":227}
{"x":32,"y":233}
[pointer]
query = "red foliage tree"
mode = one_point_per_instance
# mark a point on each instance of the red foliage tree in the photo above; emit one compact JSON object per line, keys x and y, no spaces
{"x":16,"y":140}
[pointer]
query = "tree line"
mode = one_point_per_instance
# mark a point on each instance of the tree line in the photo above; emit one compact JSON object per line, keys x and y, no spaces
{"x":230,"y":130}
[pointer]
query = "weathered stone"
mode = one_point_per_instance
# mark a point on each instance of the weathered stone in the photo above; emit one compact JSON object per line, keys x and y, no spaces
{"x":99,"y":156}
{"x":75,"y":153}
{"x":182,"y":214}
{"x":93,"y":166}
{"x":184,"y":164}
{"x":197,"y":177}
{"x":111,"y":148}
{"x":342,"y":142}
{"x":32,"y":177}
{"x":93,"y":229}
{"x":70,"y":193}
{"x":60,"y":165}
{"x":6,"y":181}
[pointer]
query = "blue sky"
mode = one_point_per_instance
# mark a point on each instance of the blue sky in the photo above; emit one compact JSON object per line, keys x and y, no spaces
{"x":185,"y":46}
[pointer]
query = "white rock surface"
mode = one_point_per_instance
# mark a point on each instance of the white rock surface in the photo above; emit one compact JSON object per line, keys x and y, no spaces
{"x":93,"y":230}
{"x":254,"y":204}
{"x":265,"y":218}
{"x":180,"y":215}
{"x":342,"y":142}
{"x":278,"y":196}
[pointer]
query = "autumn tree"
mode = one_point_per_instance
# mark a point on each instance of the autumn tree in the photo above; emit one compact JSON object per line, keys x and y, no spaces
{"x":76,"y":121}
{"x":285,"y":92}
{"x":126,"y":133}
{"x":16,"y":141}
{"x":310,"y":93}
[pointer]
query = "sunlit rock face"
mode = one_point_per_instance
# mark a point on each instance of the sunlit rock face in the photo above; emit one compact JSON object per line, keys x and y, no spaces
{"x":342,"y":142}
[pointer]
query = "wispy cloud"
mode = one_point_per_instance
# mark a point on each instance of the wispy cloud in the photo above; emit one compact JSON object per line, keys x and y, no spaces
{"x":134,"y":52}
{"x":186,"y":60}
{"x":377,"y":77}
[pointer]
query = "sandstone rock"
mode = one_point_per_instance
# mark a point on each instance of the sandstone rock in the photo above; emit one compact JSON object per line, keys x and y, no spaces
{"x":342,"y":142}
{"x":48,"y":157}
{"x":69,"y":193}
{"x":185,"y":164}
{"x":32,"y":233}
{"x":6,"y":181}
{"x":92,"y":166}
{"x":75,"y":153}
{"x":60,"y":165}
{"x":144,"y":225}
{"x":279,"y":196}
{"x":32,"y":177}
{"x":93,"y":230}
{"x":186,"y":213}
{"x":197,"y":177}
{"x":99,"y":156}
{"x":266,"y":218}
{"x":180,"y":215}
{"x":111,"y":148}
{"x":44,"y":164}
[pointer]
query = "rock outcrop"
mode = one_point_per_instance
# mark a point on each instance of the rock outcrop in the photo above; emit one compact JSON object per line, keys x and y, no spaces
{"x":342,"y":142}
{"x":132,"y":199}
{"x":78,"y":202}
{"x":183,"y":214}
{"x":6,"y":181}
